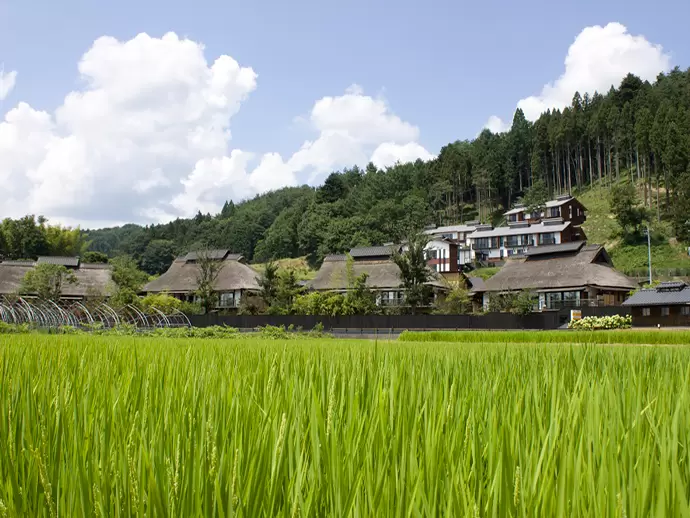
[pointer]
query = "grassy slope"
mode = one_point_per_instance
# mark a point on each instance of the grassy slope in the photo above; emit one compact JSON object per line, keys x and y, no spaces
{"x":299,"y":265}
{"x":602,"y":228}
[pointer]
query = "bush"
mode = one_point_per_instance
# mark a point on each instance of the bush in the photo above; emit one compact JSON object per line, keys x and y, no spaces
{"x":595,"y":323}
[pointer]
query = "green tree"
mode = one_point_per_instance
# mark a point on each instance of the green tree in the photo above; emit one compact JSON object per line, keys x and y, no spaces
{"x":94,"y":258}
{"x":457,"y":302}
{"x":286,"y":290}
{"x":268,"y":284}
{"x":128,"y":281}
{"x":126,"y":273}
{"x":158,"y":256}
{"x":625,"y":206}
{"x":536,"y":196}
{"x":414,"y":272}
{"x":208,"y":270}
{"x":47,"y":280}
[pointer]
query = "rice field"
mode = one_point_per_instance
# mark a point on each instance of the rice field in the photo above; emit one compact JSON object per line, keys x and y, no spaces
{"x":126,"y":426}
{"x":599,"y":337}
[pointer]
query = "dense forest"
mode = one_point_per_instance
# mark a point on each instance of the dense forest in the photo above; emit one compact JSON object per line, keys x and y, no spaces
{"x":638,"y":132}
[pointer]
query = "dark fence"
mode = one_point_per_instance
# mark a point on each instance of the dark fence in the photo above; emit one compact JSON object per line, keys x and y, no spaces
{"x":386,"y":322}
{"x":545,"y":320}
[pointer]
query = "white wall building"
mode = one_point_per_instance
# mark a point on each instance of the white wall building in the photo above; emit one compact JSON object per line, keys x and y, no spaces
{"x":503,"y":242}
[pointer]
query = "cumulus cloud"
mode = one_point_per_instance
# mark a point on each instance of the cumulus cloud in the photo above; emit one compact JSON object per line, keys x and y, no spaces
{"x":147,"y":138}
{"x":353,"y":128}
{"x":496,"y":125}
{"x":119,"y":148}
{"x":389,"y":154}
{"x":7,"y":82}
{"x":600,"y":57}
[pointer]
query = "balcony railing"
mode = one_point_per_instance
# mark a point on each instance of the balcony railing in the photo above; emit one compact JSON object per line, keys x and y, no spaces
{"x":573,"y":304}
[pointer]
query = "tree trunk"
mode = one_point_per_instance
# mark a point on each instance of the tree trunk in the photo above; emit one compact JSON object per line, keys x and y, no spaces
{"x":591,"y":171}
{"x":567,"y":164}
{"x":608,"y":149}
{"x":668,"y":194}
{"x":599,"y":156}
{"x":618,"y":165}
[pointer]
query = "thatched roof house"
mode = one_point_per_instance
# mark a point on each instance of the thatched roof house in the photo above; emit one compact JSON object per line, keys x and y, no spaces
{"x":564,"y":275}
{"x":234,"y":278}
{"x":93,"y":280}
{"x":383,"y":275}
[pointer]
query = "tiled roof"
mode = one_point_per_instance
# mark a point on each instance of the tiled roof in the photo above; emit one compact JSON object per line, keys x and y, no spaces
{"x":62,"y":261}
{"x":554,"y":249}
{"x":666,"y":294}
{"x":334,"y":258}
{"x":374,"y":251}
{"x":211,"y":254}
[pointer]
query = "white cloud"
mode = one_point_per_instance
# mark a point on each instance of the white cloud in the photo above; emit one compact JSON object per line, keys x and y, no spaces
{"x":600,"y":57}
{"x":389,"y":154}
{"x":146,"y":138}
{"x":496,"y":125}
{"x":118,"y":149}
{"x":352,"y":128}
{"x":7,"y":82}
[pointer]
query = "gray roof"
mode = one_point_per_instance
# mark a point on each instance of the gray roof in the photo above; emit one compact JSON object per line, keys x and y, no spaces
{"x":334,"y":257}
{"x":551,"y":203}
{"x":384,"y":274}
{"x":181,"y":277}
{"x":211,"y":254}
{"x":374,"y":251}
{"x":539,"y":228}
{"x":590,"y":266}
{"x":450,"y":228}
{"x":62,"y":261}
{"x":478,"y":285}
{"x":666,"y":294}
{"x":572,"y":246}
{"x":91,"y":279}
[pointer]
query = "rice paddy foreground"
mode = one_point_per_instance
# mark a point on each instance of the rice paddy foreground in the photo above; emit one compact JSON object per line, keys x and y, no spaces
{"x":121,"y":426}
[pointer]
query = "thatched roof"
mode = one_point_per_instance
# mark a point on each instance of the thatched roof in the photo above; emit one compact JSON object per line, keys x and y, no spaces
{"x":588,"y":266}
{"x":181,"y":277}
{"x":382,"y":275}
{"x":92,"y":279}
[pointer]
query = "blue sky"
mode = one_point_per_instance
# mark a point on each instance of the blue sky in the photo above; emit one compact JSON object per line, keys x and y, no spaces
{"x":443,"y":67}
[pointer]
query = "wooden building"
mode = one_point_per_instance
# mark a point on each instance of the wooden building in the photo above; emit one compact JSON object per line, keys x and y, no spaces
{"x":666,"y":305}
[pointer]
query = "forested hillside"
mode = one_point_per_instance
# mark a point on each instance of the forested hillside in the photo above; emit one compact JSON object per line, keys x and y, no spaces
{"x":638,"y":131}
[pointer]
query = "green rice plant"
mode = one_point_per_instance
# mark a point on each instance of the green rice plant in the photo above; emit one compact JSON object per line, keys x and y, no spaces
{"x":125,"y":426}
{"x":629,"y":337}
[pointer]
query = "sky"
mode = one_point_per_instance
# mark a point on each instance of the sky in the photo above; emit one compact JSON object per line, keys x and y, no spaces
{"x":114,"y":112}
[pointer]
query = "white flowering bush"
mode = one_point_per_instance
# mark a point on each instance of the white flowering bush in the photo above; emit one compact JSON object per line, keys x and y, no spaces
{"x":609,"y":322}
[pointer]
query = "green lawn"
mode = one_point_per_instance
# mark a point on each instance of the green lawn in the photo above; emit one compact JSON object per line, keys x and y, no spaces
{"x":127,"y":426}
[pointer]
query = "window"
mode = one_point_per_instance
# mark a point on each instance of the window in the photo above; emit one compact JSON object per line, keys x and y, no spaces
{"x":685,"y":310}
{"x":570,"y":211}
{"x":665,"y":312}
{"x":227,"y":300}
{"x":646,"y":312}
{"x":483,"y":243}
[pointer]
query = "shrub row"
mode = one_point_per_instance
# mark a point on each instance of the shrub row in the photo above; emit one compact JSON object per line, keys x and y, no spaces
{"x":606,"y":322}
